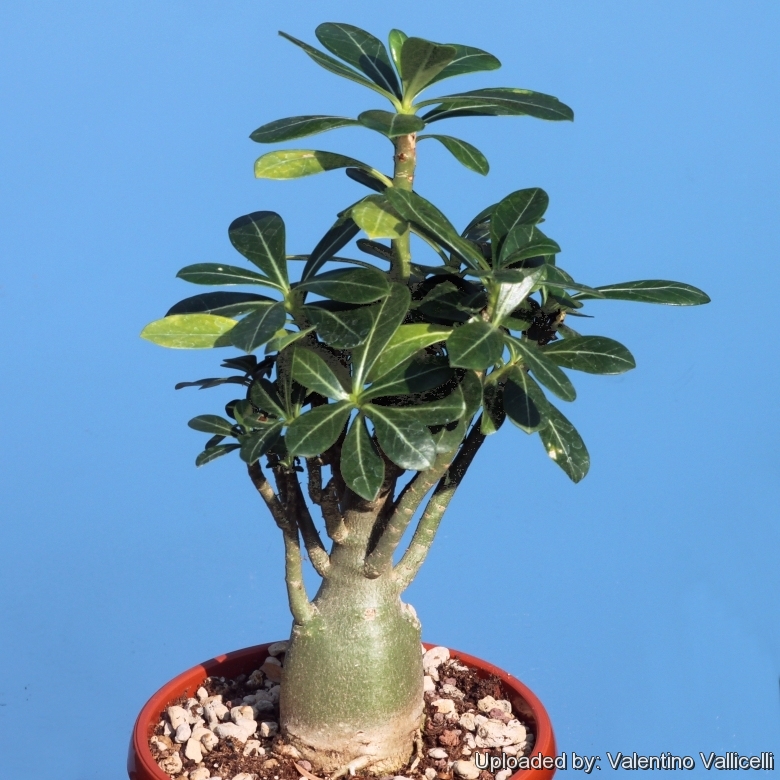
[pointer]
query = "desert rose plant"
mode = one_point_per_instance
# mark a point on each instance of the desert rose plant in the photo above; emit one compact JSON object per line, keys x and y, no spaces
{"x":378,"y":379}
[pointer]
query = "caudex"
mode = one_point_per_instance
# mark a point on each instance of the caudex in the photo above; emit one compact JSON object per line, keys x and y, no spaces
{"x":382,"y":377}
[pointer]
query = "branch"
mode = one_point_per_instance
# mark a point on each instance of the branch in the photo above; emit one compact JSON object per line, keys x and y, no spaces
{"x":413,"y":558}
{"x":267,"y":494}
{"x":334,"y":521}
{"x":314,"y":467}
{"x":318,"y":555}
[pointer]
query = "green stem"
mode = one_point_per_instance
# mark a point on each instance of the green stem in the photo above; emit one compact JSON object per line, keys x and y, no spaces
{"x":405,"y":160}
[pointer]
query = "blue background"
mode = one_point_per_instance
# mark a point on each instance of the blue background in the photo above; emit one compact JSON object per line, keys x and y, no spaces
{"x":641,"y":605}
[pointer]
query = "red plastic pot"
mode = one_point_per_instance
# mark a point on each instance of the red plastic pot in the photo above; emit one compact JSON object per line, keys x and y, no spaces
{"x":142,"y":766}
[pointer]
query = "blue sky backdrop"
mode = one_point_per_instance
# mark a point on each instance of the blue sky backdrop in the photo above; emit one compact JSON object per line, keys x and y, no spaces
{"x":641,"y":605}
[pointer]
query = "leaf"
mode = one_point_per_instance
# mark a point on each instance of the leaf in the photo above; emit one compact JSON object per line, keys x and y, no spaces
{"x":564,"y":445}
{"x":545,"y":371}
{"x":366,"y":179}
{"x":342,"y":328}
{"x":298,"y":127}
{"x":498,"y":101}
{"x":361,"y":465}
{"x":390,"y":124}
{"x":334,"y":240}
{"x":283,"y":338}
{"x":217,"y":273}
{"x":522,"y":207}
{"x":450,"y":436}
{"x":408,"y":443}
{"x":189,"y":331}
{"x":259,"y":237}
{"x":226,"y":304}
{"x":468,"y":59}
{"x":463,"y":152}
{"x":349,"y":285}
{"x":257,"y":443}
{"x":334,"y":66}
{"x":471,"y":387}
{"x":212,"y":453}
{"x":317,"y":430}
{"x":396,"y":40}
{"x":205,"y":384}
{"x":438,"y":412}
{"x":375,"y":249}
{"x":476,"y":345}
{"x":511,"y":294}
{"x":421,"y":62}
{"x":361,"y":50}
{"x":524,"y":401}
{"x":315,"y":374}
{"x":558,"y":278}
{"x":525,"y":242}
{"x":264,"y":396}
{"x":387,"y":315}
{"x":592,"y":354}
{"x":493,"y":415}
{"x":377,"y":218}
{"x":256,"y":329}
{"x":414,"y":208}
{"x":405,"y":342}
{"x":211,"y":423}
{"x":296,"y":163}
{"x":653,"y":291}
{"x":412,"y":376}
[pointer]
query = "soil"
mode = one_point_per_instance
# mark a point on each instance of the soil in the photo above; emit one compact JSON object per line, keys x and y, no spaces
{"x":226,"y":759}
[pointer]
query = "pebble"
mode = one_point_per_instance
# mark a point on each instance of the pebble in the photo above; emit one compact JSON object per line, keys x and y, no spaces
{"x":161,"y":743}
{"x":177,"y":716}
{"x":201,"y":773}
{"x":224,"y":730}
{"x":244,"y":711}
{"x":437,"y":753}
{"x":452,"y":691}
{"x":253,"y":748}
{"x":214,"y":710}
{"x":504,"y":774}
{"x":171,"y":765}
{"x":277,"y":648}
{"x":489,"y":703}
{"x":269,"y":728}
{"x":430,"y":773}
{"x":202,"y":695}
{"x":272,"y":669}
{"x":272,"y":763}
{"x":428,"y":683}
{"x":433,"y":659}
{"x":244,"y":776}
{"x":167,"y":730}
{"x":255,"y":679}
{"x":194,"y":750}
{"x":183,"y":733}
{"x":467,"y":721}
{"x":444,"y":706}
{"x":466,"y":769}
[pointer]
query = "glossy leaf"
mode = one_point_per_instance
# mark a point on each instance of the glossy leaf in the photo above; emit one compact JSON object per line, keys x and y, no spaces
{"x":512,"y":293}
{"x":448,"y":437}
{"x":264,"y":396}
{"x":396,"y":40}
{"x":391,"y":124}
{"x":408,"y":443}
{"x":463,"y":152}
{"x":653,"y":291}
{"x":211,"y":423}
{"x":545,"y":371}
{"x":314,"y":373}
{"x":366,"y":179}
{"x":378,"y":218}
{"x":298,"y":127}
{"x":361,"y":50}
{"x":476,"y":345}
{"x":412,"y":376}
{"x":259,"y":237}
{"x":405,"y":342}
{"x":296,"y":163}
{"x":524,"y":401}
{"x":414,"y":208}
{"x":212,"y":453}
{"x":205,"y":384}
{"x":349,"y":285}
{"x":256,"y":329}
{"x":338,"y":326}
{"x":333,"y":241}
{"x":362,"y":466}
{"x":471,"y":387}
{"x":592,"y":354}
{"x":189,"y":331}
{"x":523,"y":207}
{"x":564,"y":445}
{"x":493,"y":414}
{"x":260,"y":441}
{"x":498,"y":101}
{"x":283,"y":338}
{"x":226,"y":304}
{"x":317,"y":430}
{"x":438,"y":412}
{"x":523,"y":243}
{"x":558,"y":278}
{"x":468,"y":59}
{"x":219,"y":274}
{"x":421,"y":62}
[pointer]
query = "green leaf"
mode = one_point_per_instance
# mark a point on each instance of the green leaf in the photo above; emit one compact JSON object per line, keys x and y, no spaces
{"x":362,"y":466}
{"x":413,"y":376}
{"x":557,"y":278}
{"x":339,"y":326}
{"x":366,"y":179}
{"x":212,"y":453}
{"x":377,"y":218}
{"x":414,"y":208}
{"x":405,"y":342}
{"x":387,"y":315}
{"x":296,"y":163}
{"x":263,"y":395}
{"x":335,"y":239}
{"x":463,"y":152}
{"x":361,"y":50}
{"x":211,"y":423}
{"x":226,"y":304}
{"x":653,"y":291}
{"x":349,"y":285}
{"x":450,"y":436}
{"x":256,"y":329}
{"x":219,"y":274}
{"x":314,"y":432}
{"x":283,"y":338}
{"x":498,"y":101}
{"x":315,"y":374}
{"x":512,"y":293}
{"x":390,"y":124}
{"x":564,"y":445}
{"x":189,"y":331}
{"x":334,"y":66}
{"x":259,"y":237}
{"x":545,"y":371}
{"x":525,"y":242}
{"x":471,"y":387}
{"x":592,"y":354}
{"x":438,"y":412}
{"x":298,"y":127}
{"x":493,"y":415}
{"x":523,"y":207}
{"x":421,"y":62}
{"x":257,"y":443}
{"x":408,"y":443}
{"x":476,"y":345}
{"x":524,"y":401}
{"x":468,"y":59}
{"x":396,"y":40}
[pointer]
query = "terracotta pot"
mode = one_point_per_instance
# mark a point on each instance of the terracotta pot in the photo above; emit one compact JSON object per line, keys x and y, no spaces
{"x":141,"y":765}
